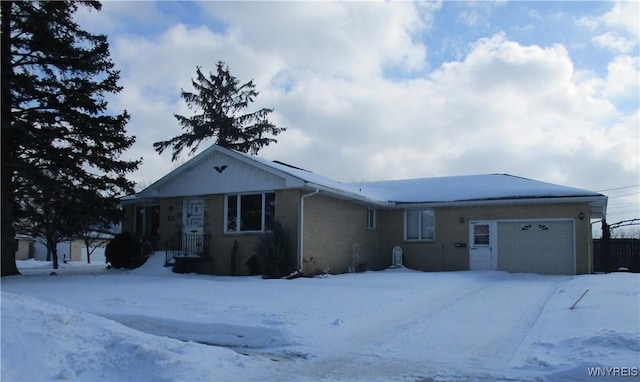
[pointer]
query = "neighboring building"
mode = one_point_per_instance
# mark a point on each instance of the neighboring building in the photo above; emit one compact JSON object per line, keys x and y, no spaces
{"x":227,"y":199}
{"x":24,"y":247}
{"x":69,"y":250}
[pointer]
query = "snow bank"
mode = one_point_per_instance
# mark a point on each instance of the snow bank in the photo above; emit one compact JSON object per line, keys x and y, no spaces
{"x":42,"y":341}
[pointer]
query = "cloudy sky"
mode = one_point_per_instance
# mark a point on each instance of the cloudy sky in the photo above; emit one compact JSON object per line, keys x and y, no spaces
{"x":391,"y":90}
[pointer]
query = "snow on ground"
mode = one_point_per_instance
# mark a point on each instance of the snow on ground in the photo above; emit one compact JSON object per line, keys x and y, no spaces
{"x":87,"y":323}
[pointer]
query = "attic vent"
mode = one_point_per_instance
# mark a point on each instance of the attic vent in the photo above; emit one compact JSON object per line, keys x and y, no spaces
{"x":539,"y":227}
{"x":220,"y":169}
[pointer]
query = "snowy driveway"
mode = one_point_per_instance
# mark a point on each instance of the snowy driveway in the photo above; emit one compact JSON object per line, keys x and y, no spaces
{"x":450,"y":325}
{"x":399,"y":325}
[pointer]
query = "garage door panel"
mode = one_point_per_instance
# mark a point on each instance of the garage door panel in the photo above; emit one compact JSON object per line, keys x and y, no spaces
{"x":545,"y":247}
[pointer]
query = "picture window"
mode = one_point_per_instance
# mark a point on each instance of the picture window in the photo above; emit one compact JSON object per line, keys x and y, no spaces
{"x":420,"y":224}
{"x":250,"y":212}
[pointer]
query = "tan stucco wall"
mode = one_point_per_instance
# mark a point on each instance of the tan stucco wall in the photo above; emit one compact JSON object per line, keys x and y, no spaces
{"x":331,"y":228}
{"x":442,"y":253}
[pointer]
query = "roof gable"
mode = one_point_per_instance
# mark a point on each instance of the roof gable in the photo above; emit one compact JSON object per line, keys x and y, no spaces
{"x":217,"y":171}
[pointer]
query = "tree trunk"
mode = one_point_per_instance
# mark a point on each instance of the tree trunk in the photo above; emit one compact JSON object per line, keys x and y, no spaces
{"x":8,"y":264}
{"x":86,"y":243}
{"x":53,"y":249}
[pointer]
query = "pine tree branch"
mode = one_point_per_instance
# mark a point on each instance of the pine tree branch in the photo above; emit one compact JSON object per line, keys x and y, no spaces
{"x":215,"y":102}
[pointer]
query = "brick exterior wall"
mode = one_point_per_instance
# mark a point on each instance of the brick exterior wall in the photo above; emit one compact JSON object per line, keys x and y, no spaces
{"x":442,"y":253}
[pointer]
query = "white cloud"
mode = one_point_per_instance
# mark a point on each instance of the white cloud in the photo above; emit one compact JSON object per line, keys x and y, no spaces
{"x":505,"y":108}
{"x":472,"y":18}
{"x":623,"y":77}
{"x":614,"y":41}
{"x":621,"y":27}
{"x":625,"y":15}
{"x":117,"y":16}
{"x":343,"y":39}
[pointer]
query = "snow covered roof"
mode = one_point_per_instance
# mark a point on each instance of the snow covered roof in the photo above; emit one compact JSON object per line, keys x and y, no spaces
{"x":469,"y":188}
{"x":480,"y":188}
{"x":444,"y":190}
{"x":438,"y":190}
{"x":321,"y":182}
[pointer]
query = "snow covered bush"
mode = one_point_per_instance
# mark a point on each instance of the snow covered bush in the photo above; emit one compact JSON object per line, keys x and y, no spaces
{"x":274,"y":253}
{"x":125,"y":251}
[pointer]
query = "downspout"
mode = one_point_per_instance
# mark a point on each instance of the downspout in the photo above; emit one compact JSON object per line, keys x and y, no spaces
{"x":301,"y":230}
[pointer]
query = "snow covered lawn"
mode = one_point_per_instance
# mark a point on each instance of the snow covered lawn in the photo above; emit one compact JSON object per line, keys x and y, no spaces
{"x":90,"y":324}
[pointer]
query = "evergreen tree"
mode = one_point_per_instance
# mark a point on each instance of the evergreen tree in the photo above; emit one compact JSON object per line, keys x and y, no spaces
{"x":60,"y":148}
{"x":217,"y":102}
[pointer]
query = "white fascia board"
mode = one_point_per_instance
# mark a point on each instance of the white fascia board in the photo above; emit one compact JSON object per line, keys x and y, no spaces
{"x":597,"y":204}
{"x":291,"y":182}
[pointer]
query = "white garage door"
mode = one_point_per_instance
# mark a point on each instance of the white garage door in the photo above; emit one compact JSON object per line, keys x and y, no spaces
{"x":544,"y":247}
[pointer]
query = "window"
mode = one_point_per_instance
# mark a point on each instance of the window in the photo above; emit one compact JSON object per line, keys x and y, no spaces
{"x":419,"y":224}
{"x":540,"y":227}
{"x":250,"y":212}
{"x":147,"y":220}
{"x":481,"y":235}
{"x":371,"y":218}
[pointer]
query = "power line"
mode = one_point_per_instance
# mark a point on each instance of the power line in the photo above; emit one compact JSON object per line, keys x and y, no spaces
{"x":619,"y":188}
{"x":620,"y":203}
{"x":619,"y":213}
{"x":623,"y":208}
{"x":619,"y":196}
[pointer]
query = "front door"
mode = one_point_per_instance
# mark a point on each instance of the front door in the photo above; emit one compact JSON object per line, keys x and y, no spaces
{"x":193,"y":225}
{"x":481,"y":251}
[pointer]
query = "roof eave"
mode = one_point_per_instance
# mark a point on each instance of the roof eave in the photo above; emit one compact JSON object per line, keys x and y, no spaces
{"x":350,"y":195}
{"x":597,"y":203}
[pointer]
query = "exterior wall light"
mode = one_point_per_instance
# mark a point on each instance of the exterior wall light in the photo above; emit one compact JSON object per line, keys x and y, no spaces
{"x":581,"y":216}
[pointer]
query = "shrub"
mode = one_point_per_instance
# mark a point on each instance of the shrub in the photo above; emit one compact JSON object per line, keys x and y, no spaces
{"x":254,"y":265}
{"x":125,"y":251}
{"x":274,"y":253}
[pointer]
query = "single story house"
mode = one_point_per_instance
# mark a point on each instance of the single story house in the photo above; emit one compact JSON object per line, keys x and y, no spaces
{"x":227,"y":199}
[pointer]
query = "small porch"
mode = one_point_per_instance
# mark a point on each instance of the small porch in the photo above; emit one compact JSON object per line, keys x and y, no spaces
{"x":184,"y":251}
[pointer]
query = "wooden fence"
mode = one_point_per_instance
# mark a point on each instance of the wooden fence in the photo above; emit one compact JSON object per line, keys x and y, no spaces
{"x":615,"y":254}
